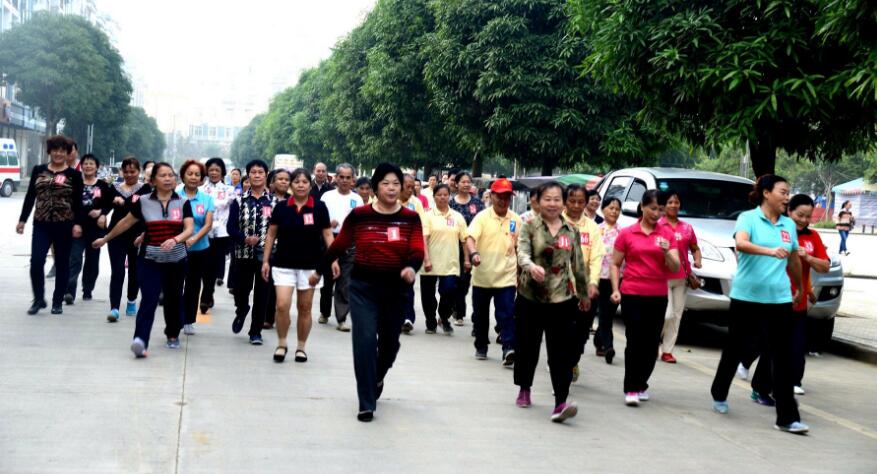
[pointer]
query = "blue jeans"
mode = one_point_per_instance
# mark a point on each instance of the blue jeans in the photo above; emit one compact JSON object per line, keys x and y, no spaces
{"x":504,"y":310}
{"x":158,"y":278}
{"x":376,"y":313}
{"x":843,"y":240}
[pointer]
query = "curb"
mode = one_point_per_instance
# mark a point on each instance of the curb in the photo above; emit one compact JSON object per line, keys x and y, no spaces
{"x":862,"y":277}
{"x":853,"y":350}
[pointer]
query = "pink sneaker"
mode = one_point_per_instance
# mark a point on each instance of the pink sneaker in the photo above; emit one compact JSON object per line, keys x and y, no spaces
{"x":564,"y":411}
{"x":523,"y":400}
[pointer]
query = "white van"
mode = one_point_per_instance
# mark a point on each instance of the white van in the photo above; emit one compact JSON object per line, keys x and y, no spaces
{"x":10,"y":169}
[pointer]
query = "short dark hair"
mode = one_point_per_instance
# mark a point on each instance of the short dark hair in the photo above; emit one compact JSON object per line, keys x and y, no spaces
{"x":73,"y":144}
{"x":459,"y":175}
{"x":218,"y":162}
{"x":236,"y":169}
{"x":589,"y":193}
{"x":58,"y":142}
{"x":575,"y":188}
{"x":764,"y":183}
{"x":382,"y":171}
{"x":550,"y":185}
{"x":608,"y":202}
{"x":799,"y":200}
{"x":257,"y":162}
{"x":273,"y":174}
{"x":664,"y":196}
{"x":297,"y":172}
{"x":147,"y":163}
{"x":362,"y":180}
{"x":130,"y":160}
{"x":89,"y":156}
{"x":441,"y":186}
{"x":160,"y":165}
{"x":201,"y":169}
{"x":649,"y":197}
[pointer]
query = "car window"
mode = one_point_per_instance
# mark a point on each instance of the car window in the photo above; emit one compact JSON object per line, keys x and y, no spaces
{"x":709,"y":198}
{"x":3,"y":161}
{"x":13,"y":158}
{"x":617,"y":187}
{"x":637,"y":189}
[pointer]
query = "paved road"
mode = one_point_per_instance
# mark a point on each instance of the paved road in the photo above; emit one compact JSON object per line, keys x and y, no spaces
{"x":73,"y":399}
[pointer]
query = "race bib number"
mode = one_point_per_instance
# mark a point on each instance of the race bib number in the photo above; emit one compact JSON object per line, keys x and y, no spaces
{"x":472,"y":209}
{"x":563,"y":242}
{"x":221,"y":195}
{"x":352,"y":203}
{"x":584,"y":239}
{"x":809,"y":247}
{"x":787,"y":238}
{"x":677,"y":236}
{"x":513,"y":226}
{"x":95,"y":193}
{"x":451,"y":222}
{"x":412,"y":206}
{"x":266,"y":211}
{"x":60,"y":179}
{"x":199,"y":209}
{"x":135,"y":198}
{"x":308,"y":219}
{"x":393,"y":234}
{"x":176,"y":215}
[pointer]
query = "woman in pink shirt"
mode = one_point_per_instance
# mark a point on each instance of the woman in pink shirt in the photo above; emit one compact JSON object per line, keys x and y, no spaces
{"x":649,"y":259}
{"x":685,"y":240}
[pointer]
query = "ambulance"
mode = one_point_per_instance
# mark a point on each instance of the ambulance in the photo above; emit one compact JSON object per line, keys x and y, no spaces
{"x":10,"y":169}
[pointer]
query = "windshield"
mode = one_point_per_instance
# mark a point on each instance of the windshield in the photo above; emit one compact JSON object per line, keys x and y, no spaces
{"x":709,"y":199}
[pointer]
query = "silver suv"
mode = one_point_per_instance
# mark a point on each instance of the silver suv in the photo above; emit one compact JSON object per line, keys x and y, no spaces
{"x":711,"y":203}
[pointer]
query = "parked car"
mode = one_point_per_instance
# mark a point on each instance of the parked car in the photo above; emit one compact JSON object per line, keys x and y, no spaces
{"x":711,"y":203}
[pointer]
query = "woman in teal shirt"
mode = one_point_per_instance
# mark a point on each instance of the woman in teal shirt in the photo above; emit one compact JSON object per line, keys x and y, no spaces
{"x":193,"y":173}
{"x":761,"y":301}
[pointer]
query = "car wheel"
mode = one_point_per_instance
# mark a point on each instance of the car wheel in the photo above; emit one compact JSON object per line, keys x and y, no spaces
{"x":6,"y":189}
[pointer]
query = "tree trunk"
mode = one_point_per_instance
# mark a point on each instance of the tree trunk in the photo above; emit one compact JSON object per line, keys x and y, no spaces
{"x":427,"y":170}
{"x":763,"y":155}
{"x":547,"y":166}
{"x":476,"y":165}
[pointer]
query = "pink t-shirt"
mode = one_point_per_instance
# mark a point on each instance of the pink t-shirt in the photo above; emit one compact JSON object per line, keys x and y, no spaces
{"x":683,"y":236}
{"x":645,"y":273}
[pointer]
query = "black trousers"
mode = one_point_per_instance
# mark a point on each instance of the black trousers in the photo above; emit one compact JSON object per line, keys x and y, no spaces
{"x":249,"y":278}
{"x":582,"y":323}
{"x":464,"y":281}
{"x":89,"y":265}
{"x":643,"y":323}
{"x":214,"y":268}
{"x":557,"y":322}
{"x":771,"y":326}
{"x":158,"y":278}
{"x":447,"y":289}
{"x":120,"y":249}
{"x":606,"y":309}
{"x":199,"y":261}
{"x":45,"y":236}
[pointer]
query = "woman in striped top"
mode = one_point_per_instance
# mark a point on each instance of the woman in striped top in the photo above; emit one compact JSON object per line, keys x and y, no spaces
{"x":389,"y":251}
{"x":162,"y":266}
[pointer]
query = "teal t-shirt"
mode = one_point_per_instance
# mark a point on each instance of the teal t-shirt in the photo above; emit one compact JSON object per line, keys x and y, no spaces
{"x":760,"y":278}
{"x":201,"y":204}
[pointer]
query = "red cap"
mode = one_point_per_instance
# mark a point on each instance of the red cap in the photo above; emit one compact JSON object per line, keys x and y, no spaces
{"x":501,"y":186}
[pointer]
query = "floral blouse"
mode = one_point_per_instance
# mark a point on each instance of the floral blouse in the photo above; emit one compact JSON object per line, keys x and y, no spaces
{"x":609,"y":235}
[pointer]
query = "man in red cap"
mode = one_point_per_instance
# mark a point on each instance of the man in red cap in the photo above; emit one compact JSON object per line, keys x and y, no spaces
{"x":492,"y":242}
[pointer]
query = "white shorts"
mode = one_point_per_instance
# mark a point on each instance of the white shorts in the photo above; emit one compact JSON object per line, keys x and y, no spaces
{"x":293,"y":277}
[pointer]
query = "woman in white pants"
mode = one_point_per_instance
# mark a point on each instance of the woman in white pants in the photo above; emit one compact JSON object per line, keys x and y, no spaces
{"x":685,"y":241}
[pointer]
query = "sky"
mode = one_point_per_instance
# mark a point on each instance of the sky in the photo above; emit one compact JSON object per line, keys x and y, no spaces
{"x":220,"y":61}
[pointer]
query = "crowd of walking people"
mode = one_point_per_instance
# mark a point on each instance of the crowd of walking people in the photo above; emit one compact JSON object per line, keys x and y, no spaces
{"x":551,"y":272}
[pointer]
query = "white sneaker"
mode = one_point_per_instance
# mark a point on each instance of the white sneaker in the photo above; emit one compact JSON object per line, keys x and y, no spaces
{"x":189,"y":329}
{"x":343,"y":326}
{"x":742,"y":372}
{"x":799,"y":390}
{"x":631,"y":399}
{"x":643,"y":396}
{"x":408,"y":326}
{"x":323,"y":319}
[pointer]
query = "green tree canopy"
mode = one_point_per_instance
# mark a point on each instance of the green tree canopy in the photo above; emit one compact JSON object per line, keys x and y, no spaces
{"x":246,"y":146}
{"x":141,"y":137}
{"x":788,"y":74}
{"x":66,"y":68}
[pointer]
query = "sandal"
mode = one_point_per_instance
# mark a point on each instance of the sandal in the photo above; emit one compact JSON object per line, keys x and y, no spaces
{"x":301,"y":356}
{"x":280,"y":356}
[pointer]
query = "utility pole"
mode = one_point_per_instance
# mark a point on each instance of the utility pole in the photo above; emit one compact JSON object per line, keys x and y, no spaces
{"x":89,"y":141}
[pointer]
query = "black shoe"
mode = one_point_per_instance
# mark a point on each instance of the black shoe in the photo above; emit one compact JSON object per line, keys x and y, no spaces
{"x":86,"y":297}
{"x":219,"y":282}
{"x":68,"y":298}
{"x":237,"y":325}
{"x":610,"y":354}
{"x":447,"y":328}
{"x":256,"y":340}
{"x":204,"y":308}
{"x":57,"y":309}
{"x":365,"y":416}
{"x":36,"y":306}
{"x":379,"y":390}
